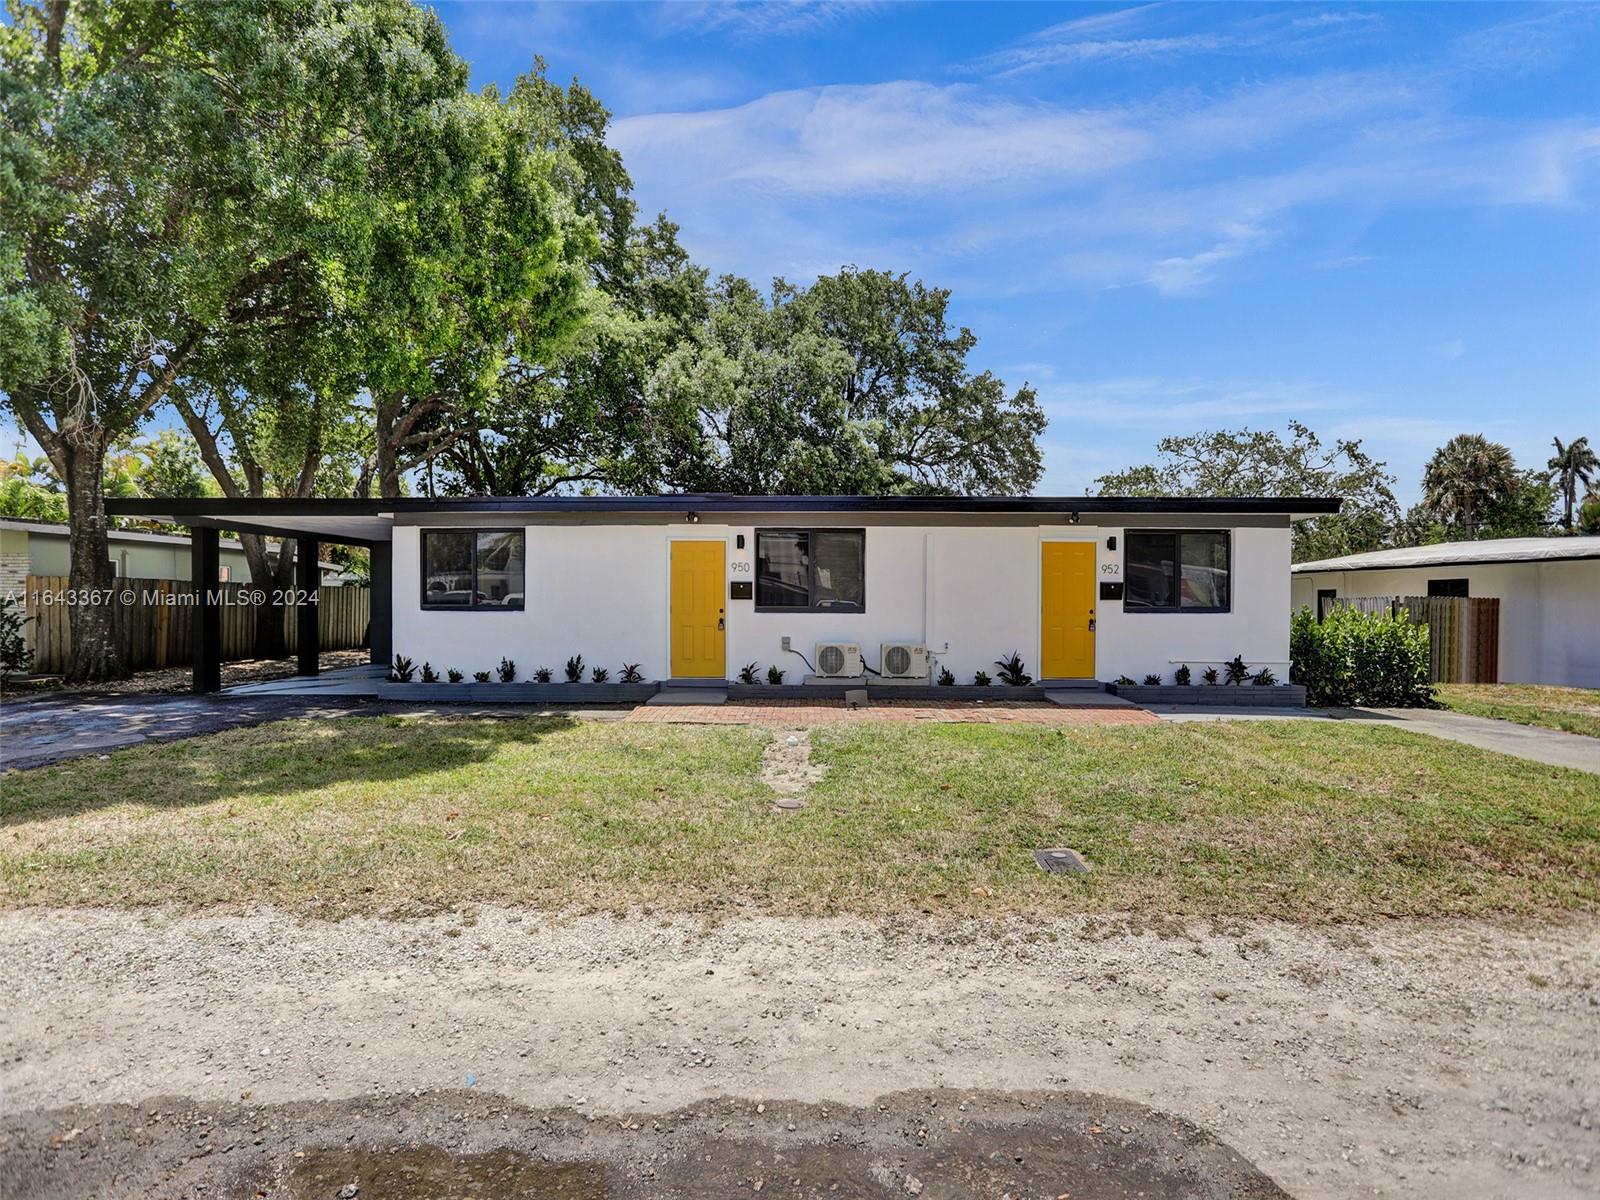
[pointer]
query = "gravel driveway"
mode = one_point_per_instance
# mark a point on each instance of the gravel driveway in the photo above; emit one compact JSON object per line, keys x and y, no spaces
{"x":1450,"y":1059}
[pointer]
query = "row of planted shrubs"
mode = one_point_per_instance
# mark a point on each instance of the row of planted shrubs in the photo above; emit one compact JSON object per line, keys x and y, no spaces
{"x":1351,"y":658}
{"x":403,"y":670}
{"x":1235,"y":673}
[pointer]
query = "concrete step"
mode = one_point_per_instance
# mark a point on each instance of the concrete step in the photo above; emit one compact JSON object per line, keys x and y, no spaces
{"x":1085,"y":698}
{"x":689,"y":695}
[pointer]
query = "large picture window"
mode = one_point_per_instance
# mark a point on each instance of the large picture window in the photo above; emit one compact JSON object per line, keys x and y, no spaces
{"x":1180,"y":571}
{"x":811,"y":570}
{"x":473,"y":569}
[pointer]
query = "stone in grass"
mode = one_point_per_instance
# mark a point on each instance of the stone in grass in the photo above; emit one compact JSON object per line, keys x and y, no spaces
{"x":1061,"y":860}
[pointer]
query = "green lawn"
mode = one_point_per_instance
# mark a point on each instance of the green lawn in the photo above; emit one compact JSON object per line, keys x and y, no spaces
{"x":1576,"y":710}
{"x":1304,"y":820}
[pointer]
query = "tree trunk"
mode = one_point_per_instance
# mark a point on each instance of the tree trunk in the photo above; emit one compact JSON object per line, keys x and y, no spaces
{"x":95,"y":654}
{"x":269,"y":639}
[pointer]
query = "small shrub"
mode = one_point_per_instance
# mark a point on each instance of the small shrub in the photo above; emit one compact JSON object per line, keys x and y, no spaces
{"x":601,"y":674}
{"x":1236,"y":671}
{"x":429,"y":675}
{"x":980,"y":679}
{"x":1013,"y":671}
{"x":480,"y":677}
{"x":631,"y":674}
{"x":747,"y":673}
{"x":402,"y":669}
{"x":1181,"y":676}
{"x":774,"y":675}
{"x":15,"y":654}
{"x":543,"y":675}
{"x":454,"y":676}
{"x":1152,"y":681}
{"x":1125,"y":681}
{"x":575,"y":669}
{"x":1264,"y":678}
{"x":507,"y":670}
{"x":1353,"y":658}
{"x":947,"y":677}
{"x":1210,"y":675}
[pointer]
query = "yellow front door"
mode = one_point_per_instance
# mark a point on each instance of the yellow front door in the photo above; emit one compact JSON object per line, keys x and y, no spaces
{"x":698,"y":622}
{"x":1066,"y":610}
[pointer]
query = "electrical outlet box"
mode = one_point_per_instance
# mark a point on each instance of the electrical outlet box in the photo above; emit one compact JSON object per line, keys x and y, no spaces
{"x":786,"y":646}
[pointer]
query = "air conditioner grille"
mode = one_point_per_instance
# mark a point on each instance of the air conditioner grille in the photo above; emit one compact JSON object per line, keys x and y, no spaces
{"x":830,"y":660}
{"x":897,"y":660}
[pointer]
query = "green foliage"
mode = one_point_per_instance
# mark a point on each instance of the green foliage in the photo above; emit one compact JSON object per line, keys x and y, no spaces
{"x":429,"y":675}
{"x":980,"y":679}
{"x":1210,"y":676}
{"x":1013,"y":671}
{"x":1352,"y":658}
{"x":1262,"y":463}
{"x":1152,"y":680}
{"x":1574,"y":464}
{"x":631,"y":673}
{"x":1235,"y":671}
{"x":601,"y":674}
{"x":1589,"y":514}
{"x":1181,"y":676}
{"x":402,"y":669}
{"x":507,"y":670}
{"x":15,"y":655}
{"x":947,"y":677}
{"x":853,"y":385}
{"x":1466,"y":478}
{"x":543,"y":675}
{"x":1264,"y":678}
{"x":775,"y":675}
{"x":1126,"y":681}
{"x":747,"y":673}
{"x":454,"y":675}
{"x":480,"y":677}
{"x":29,"y":489}
{"x":575,"y":669}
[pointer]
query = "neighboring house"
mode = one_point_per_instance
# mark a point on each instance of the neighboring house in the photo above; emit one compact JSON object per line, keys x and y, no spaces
{"x":1549,"y":592}
{"x":694,"y":587}
{"x":43,"y":548}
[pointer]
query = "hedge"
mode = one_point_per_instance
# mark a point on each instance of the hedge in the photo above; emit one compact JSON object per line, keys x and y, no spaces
{"x":1352,"y":658}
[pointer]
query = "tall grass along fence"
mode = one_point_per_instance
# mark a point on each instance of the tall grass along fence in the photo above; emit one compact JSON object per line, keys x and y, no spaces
{"x":155,"y":620}
{"x":1463,"y":632}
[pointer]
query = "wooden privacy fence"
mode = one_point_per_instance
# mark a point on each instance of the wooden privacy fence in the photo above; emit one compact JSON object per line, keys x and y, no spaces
{"x":154,"y":621}
{"x":1463,"y":631}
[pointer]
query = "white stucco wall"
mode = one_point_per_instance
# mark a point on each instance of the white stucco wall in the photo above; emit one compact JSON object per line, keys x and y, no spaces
{"x":970,"y":593}
{"x":1549,"y":611}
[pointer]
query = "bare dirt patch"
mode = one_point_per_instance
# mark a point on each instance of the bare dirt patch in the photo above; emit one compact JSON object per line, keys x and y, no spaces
{"x":786,"y":767}
{"x":1452,"y":1059}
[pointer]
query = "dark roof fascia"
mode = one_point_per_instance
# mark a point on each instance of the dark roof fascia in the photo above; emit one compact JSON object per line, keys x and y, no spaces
{"x":1057,"y":505}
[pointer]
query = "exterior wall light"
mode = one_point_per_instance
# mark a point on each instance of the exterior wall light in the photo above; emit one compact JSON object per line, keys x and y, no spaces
{"x":692,"y":517}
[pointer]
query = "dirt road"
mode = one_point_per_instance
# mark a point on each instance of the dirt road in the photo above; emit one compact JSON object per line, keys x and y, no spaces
{"x":1453,"y":1060}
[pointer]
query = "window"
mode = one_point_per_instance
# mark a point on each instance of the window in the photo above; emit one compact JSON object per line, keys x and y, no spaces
{"x":1447,"y":587}
{"x":1325,"y":599}
{"x":1179,"y":571}
{"x":811,"y":570}
{"x":472,"y":569}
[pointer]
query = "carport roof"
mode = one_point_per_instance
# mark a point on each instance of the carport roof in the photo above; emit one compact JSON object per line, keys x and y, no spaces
{"x":1457,"y":554}
{"x":366,"y":521}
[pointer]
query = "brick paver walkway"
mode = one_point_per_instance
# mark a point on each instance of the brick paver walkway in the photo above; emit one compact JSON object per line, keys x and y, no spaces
{"x":831,"y":712}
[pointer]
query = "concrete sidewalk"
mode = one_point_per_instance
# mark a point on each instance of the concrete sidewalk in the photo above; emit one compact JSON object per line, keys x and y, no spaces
{"x":1549,"y":746}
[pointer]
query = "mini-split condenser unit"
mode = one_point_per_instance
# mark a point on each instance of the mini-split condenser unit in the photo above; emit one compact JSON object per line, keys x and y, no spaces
{"x":903,"y":660}
{"x":839,"y":659}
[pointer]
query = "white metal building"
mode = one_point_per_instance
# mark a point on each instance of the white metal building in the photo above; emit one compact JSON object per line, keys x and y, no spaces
{"x":1549,"y":592}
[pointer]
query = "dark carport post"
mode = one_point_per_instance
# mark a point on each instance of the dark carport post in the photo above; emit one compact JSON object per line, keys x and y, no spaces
{"x":204,"y":564}
{"x":308,"y":637}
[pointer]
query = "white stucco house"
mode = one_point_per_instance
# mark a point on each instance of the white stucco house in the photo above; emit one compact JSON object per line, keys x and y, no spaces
{"x":693,"y":587}
{"x":1549,"y":589}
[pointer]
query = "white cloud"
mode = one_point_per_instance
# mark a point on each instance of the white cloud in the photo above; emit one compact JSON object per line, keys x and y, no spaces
{"x":1451,"y":350}
{"x":756,"y":20}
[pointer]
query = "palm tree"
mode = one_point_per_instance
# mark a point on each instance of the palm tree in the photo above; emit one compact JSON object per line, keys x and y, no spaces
{"x":1463,"y":477}
{"x":1573,"y":464}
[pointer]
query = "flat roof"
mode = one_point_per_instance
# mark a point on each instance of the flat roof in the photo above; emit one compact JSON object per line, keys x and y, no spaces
{"x":364,"y":520}
{"x":57,"y":529}
{"x":1461,"y":554}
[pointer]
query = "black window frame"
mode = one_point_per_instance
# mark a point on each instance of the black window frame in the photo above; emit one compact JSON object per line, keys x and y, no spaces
{"x":811,"y":570}
{"x":473,"y":606}
{"x":1452,"y":588}
{"x":1177,"y":571}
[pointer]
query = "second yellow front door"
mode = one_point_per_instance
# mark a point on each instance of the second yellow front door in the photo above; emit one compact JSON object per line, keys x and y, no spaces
{"x":1066,"y":610}
{"x":698,"y":617}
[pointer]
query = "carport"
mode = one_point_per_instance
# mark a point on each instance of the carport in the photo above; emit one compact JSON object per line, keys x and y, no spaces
{"x":303,"y":523}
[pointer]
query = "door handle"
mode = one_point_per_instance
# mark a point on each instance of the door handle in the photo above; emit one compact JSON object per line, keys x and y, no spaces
{"x":721,"y":624}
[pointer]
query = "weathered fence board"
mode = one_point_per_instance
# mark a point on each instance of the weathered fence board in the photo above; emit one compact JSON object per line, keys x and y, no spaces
{"x":1463,"y":631}
{"x":155,"y":629}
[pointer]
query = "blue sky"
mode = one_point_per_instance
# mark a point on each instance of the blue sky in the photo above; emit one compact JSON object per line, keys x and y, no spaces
{"x":1379,"y":220}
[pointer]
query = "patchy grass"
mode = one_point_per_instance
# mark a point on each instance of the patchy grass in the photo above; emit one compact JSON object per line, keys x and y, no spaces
{"x":1575,"y":710}
{"x":1303,"y":820}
